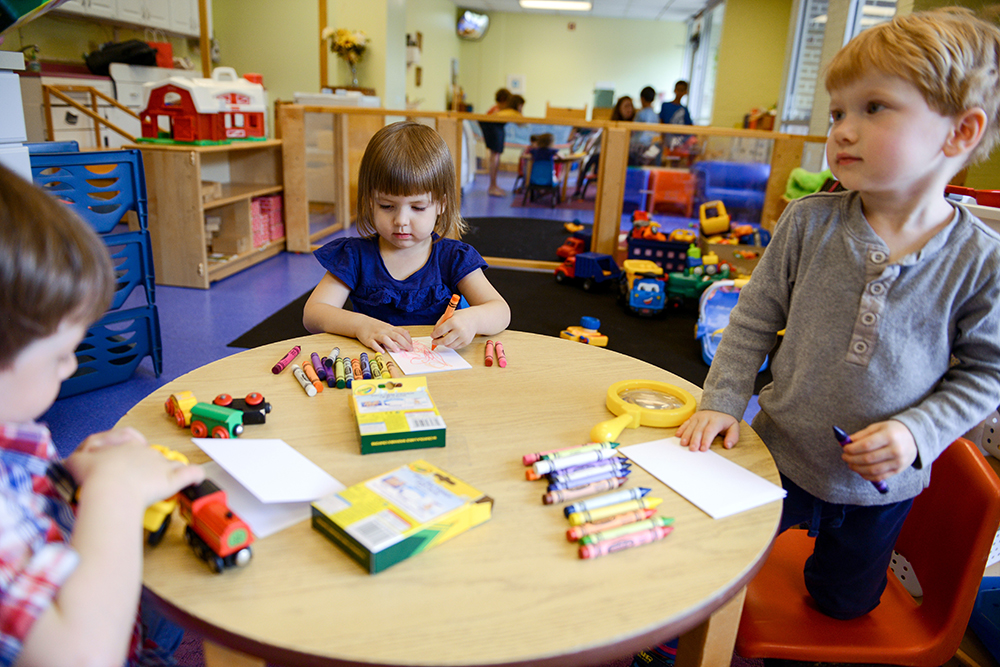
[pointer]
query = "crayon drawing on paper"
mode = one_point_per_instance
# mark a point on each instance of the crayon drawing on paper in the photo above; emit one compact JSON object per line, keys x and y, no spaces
{"x":422,"y":359}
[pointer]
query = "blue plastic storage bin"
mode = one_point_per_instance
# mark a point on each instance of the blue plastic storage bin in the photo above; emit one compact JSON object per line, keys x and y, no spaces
{"x":985,"y":620}
{"x":53,"y":147}
{"x":99,"y":186}
{"x":636,"y":187}
{"x":133,"y":261}
{"x":113,"y":347}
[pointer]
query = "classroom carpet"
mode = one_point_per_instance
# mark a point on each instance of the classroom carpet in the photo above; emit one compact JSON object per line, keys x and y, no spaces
{"x":540,"y":305}
{"x":517,"y":238}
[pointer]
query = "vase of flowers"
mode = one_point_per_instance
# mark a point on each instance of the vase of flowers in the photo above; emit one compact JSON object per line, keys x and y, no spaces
{"x":349,"y":45}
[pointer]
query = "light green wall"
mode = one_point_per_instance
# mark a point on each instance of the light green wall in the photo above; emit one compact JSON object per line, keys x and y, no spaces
{"x":435,"y":19}
{"x":561,"y":66}
{"x":751,"y":58}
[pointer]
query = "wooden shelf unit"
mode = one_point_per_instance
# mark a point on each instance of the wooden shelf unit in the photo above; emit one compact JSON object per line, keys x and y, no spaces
{"x":177,"y":213}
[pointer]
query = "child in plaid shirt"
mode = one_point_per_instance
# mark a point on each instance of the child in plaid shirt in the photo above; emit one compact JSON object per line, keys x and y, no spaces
{"x":70,"y":574}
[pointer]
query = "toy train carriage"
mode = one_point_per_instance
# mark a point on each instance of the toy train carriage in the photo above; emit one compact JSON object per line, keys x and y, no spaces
{"x":216,"y":110}
{"x":179,"y":407}
{"x":215,"y":533}
{"x":219,"y":421}
{"x":255,"y":409}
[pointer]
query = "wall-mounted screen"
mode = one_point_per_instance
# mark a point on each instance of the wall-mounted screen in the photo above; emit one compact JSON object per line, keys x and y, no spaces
{"x":472,"y":25}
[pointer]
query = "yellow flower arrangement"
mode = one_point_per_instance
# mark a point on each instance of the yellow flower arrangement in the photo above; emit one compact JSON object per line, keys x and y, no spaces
{"x":348,"y":44}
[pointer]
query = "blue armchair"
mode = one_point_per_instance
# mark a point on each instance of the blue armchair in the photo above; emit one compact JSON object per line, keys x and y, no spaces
{"x":740,"y":186}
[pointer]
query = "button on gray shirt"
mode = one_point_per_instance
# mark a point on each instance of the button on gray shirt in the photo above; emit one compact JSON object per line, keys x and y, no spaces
{"x":917,"y":341}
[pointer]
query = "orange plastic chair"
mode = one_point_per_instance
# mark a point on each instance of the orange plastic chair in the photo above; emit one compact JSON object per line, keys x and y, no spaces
{"x":671,"y":189}
{"x":946,"y":539}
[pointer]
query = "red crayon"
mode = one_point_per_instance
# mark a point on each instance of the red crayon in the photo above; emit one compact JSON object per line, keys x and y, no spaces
{"x":501,"y":359}
{"x":576,"y":532}
{"x":287,"y":359}
{"x":489,"y":353}
{"x":625,"y":542}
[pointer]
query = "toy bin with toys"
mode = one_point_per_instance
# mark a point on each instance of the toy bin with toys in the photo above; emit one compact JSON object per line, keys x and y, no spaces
{"x":739,"y":245}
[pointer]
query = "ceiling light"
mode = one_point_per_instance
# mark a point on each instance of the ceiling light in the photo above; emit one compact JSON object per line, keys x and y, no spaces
{"x":564,"y":5}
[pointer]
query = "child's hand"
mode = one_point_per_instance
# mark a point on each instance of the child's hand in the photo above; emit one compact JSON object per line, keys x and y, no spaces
{"x":698,"y":432}
{"x":880,"y":451}
{"x":122,"y":460}
{"x":457,"y":331}
{"x":382,"y":336}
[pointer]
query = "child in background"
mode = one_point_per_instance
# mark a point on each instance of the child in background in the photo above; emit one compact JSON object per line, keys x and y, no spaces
{"x":890,"y":298}
{"x":70,"y":575}
{"x":494,"y":135}
{"x":407,"y":265}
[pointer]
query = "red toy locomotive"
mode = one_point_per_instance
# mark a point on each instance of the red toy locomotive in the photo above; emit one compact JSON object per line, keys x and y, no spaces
{"x":215,"y":533}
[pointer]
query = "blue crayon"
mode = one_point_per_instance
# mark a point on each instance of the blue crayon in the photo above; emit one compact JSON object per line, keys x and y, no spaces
{"x":606,"y":499}
{"x":555,"y":486}
{"x":366,"y":371}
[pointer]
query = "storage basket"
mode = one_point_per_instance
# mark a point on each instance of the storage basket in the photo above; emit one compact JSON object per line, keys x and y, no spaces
{"x":100,"y":187}
{"x":671,"y":256}
{"x":113,"y":347}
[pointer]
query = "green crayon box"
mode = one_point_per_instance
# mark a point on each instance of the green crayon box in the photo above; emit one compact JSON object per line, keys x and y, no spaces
{"x":399,"y":514}
{"x":394,"y":414}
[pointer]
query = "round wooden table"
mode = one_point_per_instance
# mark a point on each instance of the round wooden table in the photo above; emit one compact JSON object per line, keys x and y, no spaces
{"x":509,"y":592}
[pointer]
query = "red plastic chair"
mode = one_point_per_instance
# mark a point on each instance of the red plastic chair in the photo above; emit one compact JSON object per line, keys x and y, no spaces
{"x":946,"y":539}
{"x":671,"y":189}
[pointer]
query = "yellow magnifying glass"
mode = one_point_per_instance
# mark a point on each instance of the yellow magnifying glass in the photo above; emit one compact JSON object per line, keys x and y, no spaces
{"x":643,"y":403}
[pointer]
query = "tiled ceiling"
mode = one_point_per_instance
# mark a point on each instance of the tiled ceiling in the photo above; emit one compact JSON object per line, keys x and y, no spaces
{"x":647,"y":10}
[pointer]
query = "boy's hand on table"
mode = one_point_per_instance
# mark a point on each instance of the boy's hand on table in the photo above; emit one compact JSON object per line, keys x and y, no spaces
{"x":383,"y":337}
{"x":881,"y":450}
{"x":698,"y":432}
{"x":122,"y":460}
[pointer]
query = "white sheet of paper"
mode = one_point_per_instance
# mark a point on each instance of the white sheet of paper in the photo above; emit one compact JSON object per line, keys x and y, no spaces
{"x":271,"y":470}
{"x":263,"y":518}
{"x":713,"y":483}
{"x":421,"y":359}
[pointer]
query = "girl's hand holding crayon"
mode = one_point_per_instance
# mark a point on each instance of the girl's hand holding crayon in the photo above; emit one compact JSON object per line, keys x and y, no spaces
{"x":456,"y":331}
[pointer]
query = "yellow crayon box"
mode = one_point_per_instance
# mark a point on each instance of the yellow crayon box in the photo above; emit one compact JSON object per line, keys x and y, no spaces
{"x":401,"y":513}
{"x":395,"y":414}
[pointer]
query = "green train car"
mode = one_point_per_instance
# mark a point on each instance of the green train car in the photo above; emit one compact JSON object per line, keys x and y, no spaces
{"x":216,"y":421}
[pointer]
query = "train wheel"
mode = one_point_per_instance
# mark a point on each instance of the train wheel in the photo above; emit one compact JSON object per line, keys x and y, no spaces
{"x":224,"y":400}
{"x":242,"y":557}
{"x":157,"y":536}
{"x":215,"y":563}
{"x":254,"y":398}
{"x":168,"y":405}
{"x":219,"y":432}
{"x":198,"y":429}
{"x":179,"y":418}
{"x":189,"y":536}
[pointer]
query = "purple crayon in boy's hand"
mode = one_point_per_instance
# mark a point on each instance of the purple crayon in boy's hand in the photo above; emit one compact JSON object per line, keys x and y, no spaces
{"x":845,"y":439}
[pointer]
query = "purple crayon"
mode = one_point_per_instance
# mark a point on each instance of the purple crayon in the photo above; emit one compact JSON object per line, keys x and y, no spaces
{"x":845,"y":439}
{"x":556,"y":486}
{"x":318,"y":366}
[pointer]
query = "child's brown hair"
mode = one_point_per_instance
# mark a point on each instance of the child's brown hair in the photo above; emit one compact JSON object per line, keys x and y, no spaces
{"x":545,"y":140}
{"x":53,"y":267}
{"x":949,"y":54}
{"x":406,"y":159}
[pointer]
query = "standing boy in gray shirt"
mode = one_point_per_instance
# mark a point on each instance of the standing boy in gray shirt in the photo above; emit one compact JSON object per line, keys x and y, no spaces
{"x":889,"y":295}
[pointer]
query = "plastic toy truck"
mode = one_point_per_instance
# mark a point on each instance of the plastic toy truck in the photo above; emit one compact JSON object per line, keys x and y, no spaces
{"x":642,"y":287}
{"x":576,"y":243}
{"x":586,"y":333}
{"x":592,"y":268}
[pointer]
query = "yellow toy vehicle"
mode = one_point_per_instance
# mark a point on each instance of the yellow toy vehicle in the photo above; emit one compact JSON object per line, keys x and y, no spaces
{"x":157,"y":517}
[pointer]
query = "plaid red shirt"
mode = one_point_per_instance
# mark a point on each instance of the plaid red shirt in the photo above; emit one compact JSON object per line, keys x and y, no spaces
{"x":35,"y":555}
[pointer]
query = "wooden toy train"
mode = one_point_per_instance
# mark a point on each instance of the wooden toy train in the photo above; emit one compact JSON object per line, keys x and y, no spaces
{"x":222,"y":418}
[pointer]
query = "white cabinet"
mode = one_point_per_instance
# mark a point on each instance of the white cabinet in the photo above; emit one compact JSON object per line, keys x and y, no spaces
{"x":173,"y":16}
{"x":184,"y":17}
{"x":146,"y":13}
{"x":97,"y":8}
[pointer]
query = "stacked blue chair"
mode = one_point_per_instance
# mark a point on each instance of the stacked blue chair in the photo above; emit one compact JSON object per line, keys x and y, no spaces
{"x":636,"y":187}
{"x":104,"y":188}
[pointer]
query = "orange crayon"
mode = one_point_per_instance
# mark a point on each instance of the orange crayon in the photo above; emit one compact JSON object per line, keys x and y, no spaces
{"x":313,"y":377}
{"x":393,"y":369}
{"x":356,"y":369}
{"x":448,"y":312}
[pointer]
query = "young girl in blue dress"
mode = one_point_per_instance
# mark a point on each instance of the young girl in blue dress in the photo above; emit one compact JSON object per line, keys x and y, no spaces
{"x":406,"y":265}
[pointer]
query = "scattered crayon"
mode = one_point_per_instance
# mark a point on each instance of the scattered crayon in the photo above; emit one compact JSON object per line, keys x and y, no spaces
{"x":356,"y":369}
{"x":546,"y":466}
{"x":366,"y":371}
{"x":300,"y":375}
{"x":285,"y":360}
{"x":614,"y":533}
{"x":562,"y":495}
{"x":609,"y":474}
{"x":393,"y":368}
{"x":338,"y":372}
{"x":576,"y":532}
{"x":317,"y":364}
{"x":624,"y":542}
{"x":489,"y":353}
{"x":612,"y":498}
{"x":374,"y":367}
{"x":590,"y":516}
{"x":529,"y":459}
{"x":501,"y":357}
{"x":311,"y":374}
{"x":348,"y":372}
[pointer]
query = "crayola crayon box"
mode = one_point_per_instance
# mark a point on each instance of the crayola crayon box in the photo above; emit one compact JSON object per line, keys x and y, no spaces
{"x":399,"y":514}
{"x":396,"y":414}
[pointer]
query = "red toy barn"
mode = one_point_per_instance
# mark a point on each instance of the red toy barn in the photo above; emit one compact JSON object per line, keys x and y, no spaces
{"x":222,"y":108}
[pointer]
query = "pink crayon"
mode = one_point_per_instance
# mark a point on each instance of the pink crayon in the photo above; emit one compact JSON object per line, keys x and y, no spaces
{"x":562,"y":495}
{"x":625,"y":542}
{"x":287,"y":359}
{"x":501,"y":358}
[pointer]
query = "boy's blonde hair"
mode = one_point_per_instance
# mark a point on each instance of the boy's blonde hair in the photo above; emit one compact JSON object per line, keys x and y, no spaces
{"x":949,"y":54}
{"x":53,"y":267}
{"x":406,"y":159}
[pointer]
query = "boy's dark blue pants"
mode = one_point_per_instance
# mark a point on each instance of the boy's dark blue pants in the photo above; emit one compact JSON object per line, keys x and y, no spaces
{"x":847,"y":572}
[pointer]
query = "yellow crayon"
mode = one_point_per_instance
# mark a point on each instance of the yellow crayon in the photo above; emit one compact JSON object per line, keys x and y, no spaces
{"x":375,"y":364}
{"x":590,"y":516}
{"x":338,"y":369}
